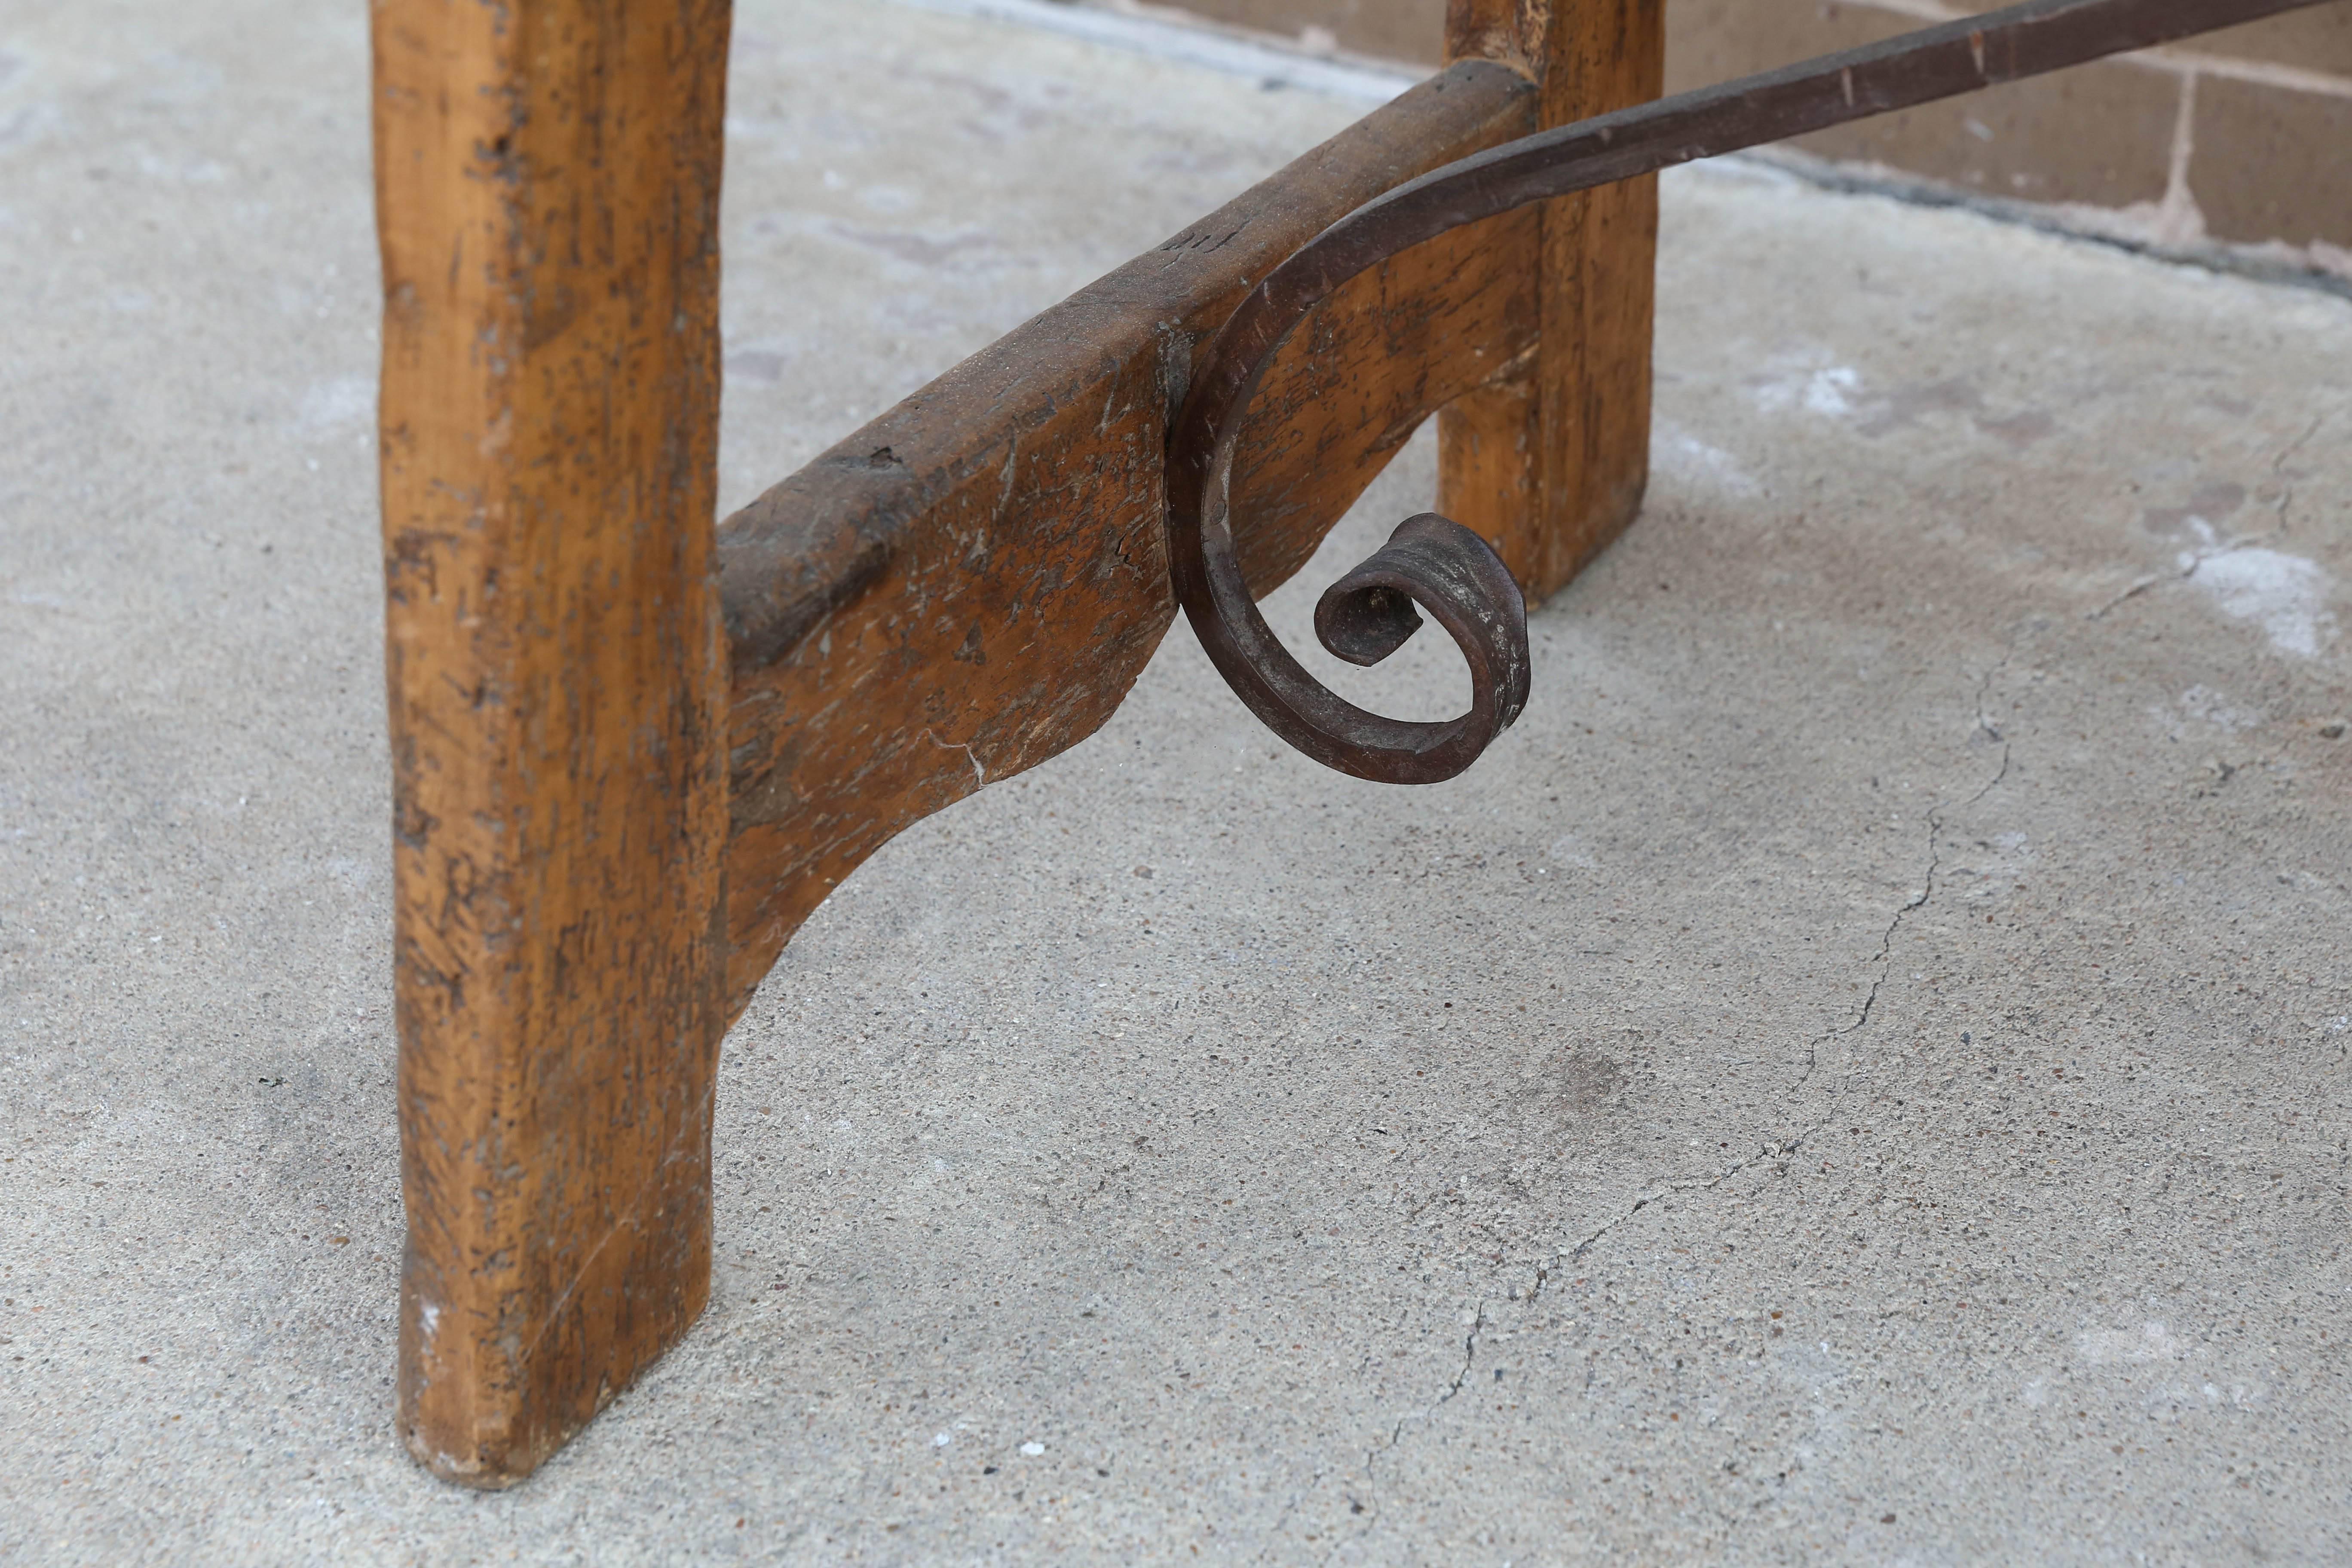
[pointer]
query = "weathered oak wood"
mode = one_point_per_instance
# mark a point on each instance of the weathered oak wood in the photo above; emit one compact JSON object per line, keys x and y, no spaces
{"x":548,"y":176}
{"x":971,"y":584}
{"x":1549,"y":464}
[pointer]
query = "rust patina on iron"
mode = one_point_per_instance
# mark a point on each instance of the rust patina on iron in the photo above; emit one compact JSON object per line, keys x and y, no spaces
{"x":1446,"y":568}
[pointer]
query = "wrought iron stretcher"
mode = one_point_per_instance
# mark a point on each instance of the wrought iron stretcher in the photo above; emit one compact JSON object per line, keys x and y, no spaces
{"x":1429,"y":559}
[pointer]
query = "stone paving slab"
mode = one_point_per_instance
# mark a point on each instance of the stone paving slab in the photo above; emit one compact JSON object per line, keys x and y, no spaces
{"x":1858,"y":1074}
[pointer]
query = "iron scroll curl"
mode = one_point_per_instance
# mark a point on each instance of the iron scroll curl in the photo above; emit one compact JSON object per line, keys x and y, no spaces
{"x":1436,"y":563}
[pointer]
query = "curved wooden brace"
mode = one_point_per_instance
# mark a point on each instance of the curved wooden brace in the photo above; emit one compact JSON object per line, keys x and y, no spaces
{"x":971,"y":582}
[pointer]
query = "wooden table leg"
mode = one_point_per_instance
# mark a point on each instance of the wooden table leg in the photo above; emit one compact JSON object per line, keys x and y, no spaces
{"x":1549,"y":463}
{"x":548,"y":178}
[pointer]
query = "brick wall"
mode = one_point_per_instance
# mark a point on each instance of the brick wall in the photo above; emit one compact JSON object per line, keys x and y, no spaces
{"x":2242,"y":137}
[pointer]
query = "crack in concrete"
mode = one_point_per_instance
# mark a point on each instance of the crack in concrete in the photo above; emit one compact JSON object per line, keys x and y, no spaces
{"x":1782,"y":1148}
{"x":2292,"y":448}
{"x":1772,"y":1149}
{"x":2196,"y":558}
{"x":1469,"y":1359}
{"x":2286,"y":485}
{"x":1275,"y":1533}
{"x":1396,"y":1433}
{"x":1937,"y":819}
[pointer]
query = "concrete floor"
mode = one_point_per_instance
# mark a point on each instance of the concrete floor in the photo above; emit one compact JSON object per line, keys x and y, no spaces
{"x":1859,"y":1073}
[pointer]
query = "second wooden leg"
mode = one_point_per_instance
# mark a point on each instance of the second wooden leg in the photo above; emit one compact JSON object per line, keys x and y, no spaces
{"x":1550,"y":464}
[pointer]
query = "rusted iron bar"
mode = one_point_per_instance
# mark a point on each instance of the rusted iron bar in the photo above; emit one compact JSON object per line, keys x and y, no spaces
{"x":1450,"y":570}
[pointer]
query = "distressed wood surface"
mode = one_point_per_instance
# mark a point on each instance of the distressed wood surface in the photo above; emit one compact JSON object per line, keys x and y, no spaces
{"x":548,"y":176}
{"x":971,"y":583}
{"x":1549,"y":464}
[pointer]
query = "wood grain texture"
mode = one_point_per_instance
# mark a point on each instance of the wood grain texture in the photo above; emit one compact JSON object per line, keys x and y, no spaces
{"x":971,"y":583}
{"x":1598,"y":296}
{"x":548,"y":177}
{"x":1489,"y":467}
{"x":1550,"y":465}
{"x":1512,"y":32}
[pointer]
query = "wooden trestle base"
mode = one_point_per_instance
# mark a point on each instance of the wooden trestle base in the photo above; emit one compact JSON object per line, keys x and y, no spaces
{"x":632,"y":753}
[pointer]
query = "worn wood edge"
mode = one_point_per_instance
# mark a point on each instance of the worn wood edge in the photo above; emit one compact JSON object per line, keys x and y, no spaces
{"x":1511,"y":32}
{"x":548,"y":188}
{"x":817,"y":538}
{"x":971,"y":582}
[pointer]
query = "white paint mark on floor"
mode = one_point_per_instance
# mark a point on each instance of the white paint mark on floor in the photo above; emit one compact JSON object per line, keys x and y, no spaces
{"x":2114,"y":1347}
{"x":1825,"y":390}
{"x":1676,"y":451}
{"x":2208,"y":705}
{"x":2285,"y":594}
{"x":1568,"y":850}
{"x":331,"y":405}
